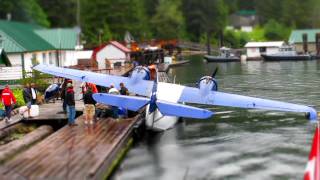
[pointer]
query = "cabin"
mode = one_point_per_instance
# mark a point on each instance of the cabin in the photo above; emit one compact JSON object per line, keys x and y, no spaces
{"x":296,"y":39}
{"x":243,"y":20}
{"x":27,"y":44}
{"x":255,"y":49}
{"x":111,"y":55}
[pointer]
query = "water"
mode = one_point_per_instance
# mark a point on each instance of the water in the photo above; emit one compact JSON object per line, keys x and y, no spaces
{"x":235,"y":143}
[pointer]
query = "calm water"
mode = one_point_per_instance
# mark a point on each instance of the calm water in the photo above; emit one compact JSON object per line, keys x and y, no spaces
{"x":235,"y":143}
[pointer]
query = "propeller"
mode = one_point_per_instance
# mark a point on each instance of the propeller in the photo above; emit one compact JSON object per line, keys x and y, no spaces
{"x":214,"y":73}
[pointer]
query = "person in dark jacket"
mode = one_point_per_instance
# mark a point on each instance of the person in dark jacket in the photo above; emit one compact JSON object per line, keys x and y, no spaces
{"x":89,"y":106}
{"x":70,"y":102}
{"x":123,"y":90}
{"x":63,"y":93}
{"x":34,"y":92}
{"x":27,"y":97}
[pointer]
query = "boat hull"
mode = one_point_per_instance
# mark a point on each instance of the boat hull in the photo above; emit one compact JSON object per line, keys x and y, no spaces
{"x":221,"y":59}
{"x":285,"y":58}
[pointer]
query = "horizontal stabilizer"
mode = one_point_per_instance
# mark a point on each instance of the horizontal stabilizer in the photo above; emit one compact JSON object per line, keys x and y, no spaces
{"x":180,"y":110}
{"x":132,"y":103}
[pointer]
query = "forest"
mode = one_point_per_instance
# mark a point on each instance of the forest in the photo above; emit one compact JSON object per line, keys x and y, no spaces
{"x":192,"y":20}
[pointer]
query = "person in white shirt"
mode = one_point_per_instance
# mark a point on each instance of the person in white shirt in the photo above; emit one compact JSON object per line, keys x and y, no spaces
{"x":33,"y":93}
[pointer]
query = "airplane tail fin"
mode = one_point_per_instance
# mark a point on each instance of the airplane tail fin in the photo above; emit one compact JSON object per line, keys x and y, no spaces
{"x":129,"y":102}
{"x":180,"y":110}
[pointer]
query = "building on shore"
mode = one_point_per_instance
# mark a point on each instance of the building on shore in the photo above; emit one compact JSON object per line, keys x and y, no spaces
{"x":296,"y":39}
{"x":243,"y":20}
{"x":26,"y":44}
{"x":111,"y":55}
{"x":255,"y":49}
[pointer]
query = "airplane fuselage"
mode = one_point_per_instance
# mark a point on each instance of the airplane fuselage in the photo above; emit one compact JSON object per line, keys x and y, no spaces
{"x":166,"y":92}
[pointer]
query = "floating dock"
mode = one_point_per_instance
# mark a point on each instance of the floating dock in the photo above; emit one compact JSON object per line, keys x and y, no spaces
{"x":76,"y":152}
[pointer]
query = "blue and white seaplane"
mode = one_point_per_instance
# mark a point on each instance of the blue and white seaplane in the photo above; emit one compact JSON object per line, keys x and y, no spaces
{"x":165,"y":101}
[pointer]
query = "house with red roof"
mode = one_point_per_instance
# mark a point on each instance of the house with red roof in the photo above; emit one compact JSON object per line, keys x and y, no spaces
{"x":111,"y":55}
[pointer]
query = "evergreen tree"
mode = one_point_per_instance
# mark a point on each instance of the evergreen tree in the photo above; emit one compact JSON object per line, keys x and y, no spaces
{"x":24,"y":10}
{"x":61,"y":13}
{"x":205,"y":16}
{"x":168,"y":22}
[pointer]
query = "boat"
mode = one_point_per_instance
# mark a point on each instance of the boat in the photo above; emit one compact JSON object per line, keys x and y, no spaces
{"x":286,"y":53}
{"x":224,"y":56}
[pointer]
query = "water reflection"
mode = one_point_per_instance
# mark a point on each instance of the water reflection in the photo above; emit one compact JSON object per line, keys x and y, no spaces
{"x":235,"y":143}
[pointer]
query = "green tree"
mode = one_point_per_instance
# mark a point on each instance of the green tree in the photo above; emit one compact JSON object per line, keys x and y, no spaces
{"x":113,"y":17}
{"x":205,"y":16}
{"x":24,"y":10}
{"x":60,"y":13}
{"x":168,"y":22}
{"x":276,"y":31}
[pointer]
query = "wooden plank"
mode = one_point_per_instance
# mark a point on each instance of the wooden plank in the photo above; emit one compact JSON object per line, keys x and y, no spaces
{"x":53,"y":111}
{"x":77,"y":152}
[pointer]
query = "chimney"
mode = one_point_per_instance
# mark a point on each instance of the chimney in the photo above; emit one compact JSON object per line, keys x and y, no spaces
{"x":8,"y":16}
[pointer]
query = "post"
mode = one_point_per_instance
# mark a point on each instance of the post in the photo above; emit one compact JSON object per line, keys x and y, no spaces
{"x":1,"y":40}
{"x":318,"y":43}
{"x":23,"y":66}
{"x":305,"y":42}
{"x":208,"y":43}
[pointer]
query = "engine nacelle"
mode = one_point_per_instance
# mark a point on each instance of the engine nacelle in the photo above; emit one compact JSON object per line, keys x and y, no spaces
{"x":207,"y":84}
{"x":140,"y":73}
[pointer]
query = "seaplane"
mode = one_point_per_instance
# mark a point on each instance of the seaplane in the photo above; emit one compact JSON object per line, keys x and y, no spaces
{"x":166,"y":102}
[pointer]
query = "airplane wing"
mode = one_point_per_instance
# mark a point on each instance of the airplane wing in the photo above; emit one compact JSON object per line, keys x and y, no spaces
{"x":193,"y":95}
{"x":141,"y":87}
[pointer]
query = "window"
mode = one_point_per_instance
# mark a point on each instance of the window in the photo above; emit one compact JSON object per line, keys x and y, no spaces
{"x":50,"y":58}
{"x":44,"y":58}
{"x":262,"y":49}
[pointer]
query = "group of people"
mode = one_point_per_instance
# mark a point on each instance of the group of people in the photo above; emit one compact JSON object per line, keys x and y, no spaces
{"x":88,"y":89}
{"x":8,"y":99}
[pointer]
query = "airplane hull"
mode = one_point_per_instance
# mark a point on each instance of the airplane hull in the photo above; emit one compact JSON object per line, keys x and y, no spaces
{"x":156,"y":120}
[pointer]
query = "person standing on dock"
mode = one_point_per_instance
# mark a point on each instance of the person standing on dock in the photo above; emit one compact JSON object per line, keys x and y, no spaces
{"x":89,"y":106}
{"x":115,"y":110}
{"x":27,"y":97}
{"x":70,"y":102}
{"x":123,"y":90}
{"x":63,"y":93}
{"x":8,"y":100}
{"x":34,"y":92}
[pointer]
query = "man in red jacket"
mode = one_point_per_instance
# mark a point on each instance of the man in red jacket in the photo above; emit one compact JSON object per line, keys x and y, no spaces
{"x":8,"y":100}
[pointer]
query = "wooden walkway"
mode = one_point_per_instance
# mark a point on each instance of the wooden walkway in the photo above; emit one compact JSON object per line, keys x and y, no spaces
{"x":79,"y":152}
{"x":53,"y":111}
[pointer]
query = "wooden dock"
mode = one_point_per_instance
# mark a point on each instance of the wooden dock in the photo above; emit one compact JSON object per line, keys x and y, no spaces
{"x":53,"y":111}
{"x":78,"y":152}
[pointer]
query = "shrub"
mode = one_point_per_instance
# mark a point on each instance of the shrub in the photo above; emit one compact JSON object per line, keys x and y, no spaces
{"x":276,"y":31}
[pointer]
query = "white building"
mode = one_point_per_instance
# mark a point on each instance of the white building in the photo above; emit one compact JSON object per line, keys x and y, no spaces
{"x":28,"y":44}
{"x":111,"y":55}
{"x":255,"y":49}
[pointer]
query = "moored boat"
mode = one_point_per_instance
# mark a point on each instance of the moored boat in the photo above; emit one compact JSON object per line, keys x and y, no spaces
{"x":224,"y":56}
{"x":286,"y":53}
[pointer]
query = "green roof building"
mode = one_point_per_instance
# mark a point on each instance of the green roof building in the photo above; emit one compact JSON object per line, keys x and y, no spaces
{"x":25,"y":42}
{"x":296,"y":39}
